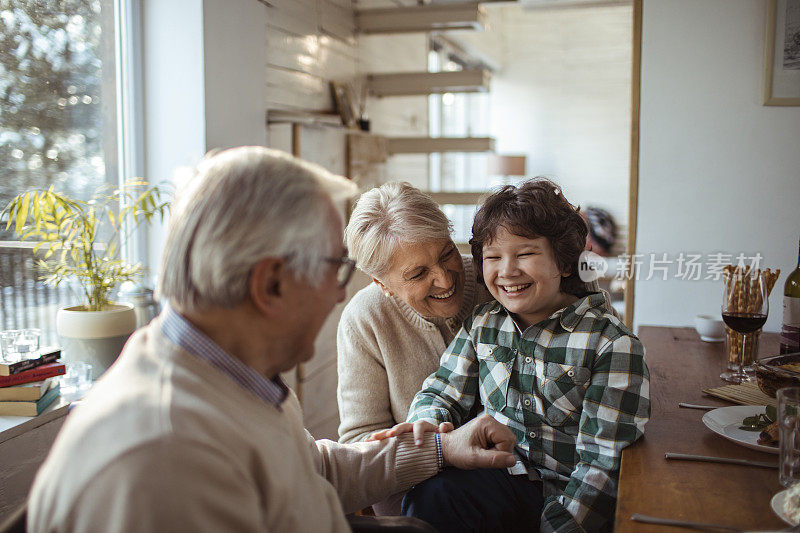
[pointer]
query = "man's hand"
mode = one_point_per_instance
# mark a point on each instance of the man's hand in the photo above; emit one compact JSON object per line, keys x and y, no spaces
{"x":419,"y":428}
{"x":481,"y":443}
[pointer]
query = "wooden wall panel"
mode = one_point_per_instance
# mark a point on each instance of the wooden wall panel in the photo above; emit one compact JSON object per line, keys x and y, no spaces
{"x":336,"y":19}
{"x":297,"y":17}
{"x":288,"y":89}
{"x":309,"y":43}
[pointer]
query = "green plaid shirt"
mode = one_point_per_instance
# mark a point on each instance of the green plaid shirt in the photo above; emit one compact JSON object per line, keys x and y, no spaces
{"x":573,"y":388}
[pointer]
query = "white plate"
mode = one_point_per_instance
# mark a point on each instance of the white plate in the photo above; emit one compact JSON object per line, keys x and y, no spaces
{"x":725,"y":422}
{"x":712,"y":339}
{"x":777,"y":506}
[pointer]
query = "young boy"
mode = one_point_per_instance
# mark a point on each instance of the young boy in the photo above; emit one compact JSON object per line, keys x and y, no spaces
{"x":550,"y":362}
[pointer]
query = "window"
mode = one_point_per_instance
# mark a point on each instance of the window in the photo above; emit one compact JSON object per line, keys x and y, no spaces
{"x":58,"y":124}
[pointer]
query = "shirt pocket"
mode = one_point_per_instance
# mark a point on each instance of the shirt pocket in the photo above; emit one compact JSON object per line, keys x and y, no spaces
{"x":563,"y":389}
{"x":495,"y":364}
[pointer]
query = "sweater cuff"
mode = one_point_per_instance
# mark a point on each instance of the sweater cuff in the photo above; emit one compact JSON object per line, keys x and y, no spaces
{"x":415,"y":463}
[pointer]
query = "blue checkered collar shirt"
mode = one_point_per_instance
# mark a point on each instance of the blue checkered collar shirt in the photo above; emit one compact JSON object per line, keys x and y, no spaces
{"x":180,"y":331}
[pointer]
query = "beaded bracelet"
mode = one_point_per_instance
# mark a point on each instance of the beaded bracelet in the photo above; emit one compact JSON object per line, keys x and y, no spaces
{"x":439,"y":455}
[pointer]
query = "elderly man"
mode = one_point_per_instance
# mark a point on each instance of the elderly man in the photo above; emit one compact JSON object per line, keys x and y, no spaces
{"x":193,"y":429}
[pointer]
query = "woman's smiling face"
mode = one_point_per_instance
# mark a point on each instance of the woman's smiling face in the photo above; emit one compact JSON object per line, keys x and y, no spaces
{"x":522,"y":274}
{"x":428,"y":276}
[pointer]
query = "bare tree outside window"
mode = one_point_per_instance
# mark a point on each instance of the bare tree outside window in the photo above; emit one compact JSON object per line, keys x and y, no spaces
{"x":57,"y":109}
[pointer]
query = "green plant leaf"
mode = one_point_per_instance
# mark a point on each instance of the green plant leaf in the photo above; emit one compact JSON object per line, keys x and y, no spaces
{"x":68,"y":231}
{"x":22,"y":213}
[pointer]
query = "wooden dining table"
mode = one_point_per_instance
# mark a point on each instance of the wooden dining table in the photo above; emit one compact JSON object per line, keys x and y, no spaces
{"x":681,"y":366}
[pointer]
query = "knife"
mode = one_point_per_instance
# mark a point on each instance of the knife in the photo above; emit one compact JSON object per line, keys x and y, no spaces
{"x":645,"y":519}
{"x":637,"y":517}
{"x":695,"y":406}
{"x":727,"y":460}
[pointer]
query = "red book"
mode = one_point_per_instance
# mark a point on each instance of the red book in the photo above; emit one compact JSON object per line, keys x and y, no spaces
{"x":34,"y":374}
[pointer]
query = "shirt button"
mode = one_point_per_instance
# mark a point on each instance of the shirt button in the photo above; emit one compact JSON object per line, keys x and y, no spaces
{"x":527,"y":402}
{"x":532,"y":434}
{"x":528,"y":360}
{"x":571,"y":373}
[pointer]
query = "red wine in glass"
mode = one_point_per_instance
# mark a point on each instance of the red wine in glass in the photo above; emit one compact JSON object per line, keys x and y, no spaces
{"x":745,"y":306}
{"x":744,"y":322}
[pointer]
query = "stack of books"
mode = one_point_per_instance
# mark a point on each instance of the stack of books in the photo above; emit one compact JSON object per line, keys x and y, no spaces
{"x":27,"y":387}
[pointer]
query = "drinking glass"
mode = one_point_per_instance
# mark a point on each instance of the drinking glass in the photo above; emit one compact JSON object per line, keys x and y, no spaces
{"x":7,"y":352}
{"x":27,"y":342}
{"x":77,"y":378}
{"x":745,"y":306}
{"x":789,"y":427}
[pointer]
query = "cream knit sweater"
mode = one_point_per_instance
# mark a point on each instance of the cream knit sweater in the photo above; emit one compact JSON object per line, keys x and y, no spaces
{"x":166,"y":442}
{"x":385,"y":352}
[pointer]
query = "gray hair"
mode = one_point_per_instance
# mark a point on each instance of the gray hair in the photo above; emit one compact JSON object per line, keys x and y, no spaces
{"x":238,"y":207}
{"x":388,"y":216}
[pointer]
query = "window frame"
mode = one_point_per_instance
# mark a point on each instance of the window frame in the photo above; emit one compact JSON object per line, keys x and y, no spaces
{"x":129,"y":112}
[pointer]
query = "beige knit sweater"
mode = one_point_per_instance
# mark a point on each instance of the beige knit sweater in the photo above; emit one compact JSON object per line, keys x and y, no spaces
{"x":385,"y":352}
{"x":166,"y":442}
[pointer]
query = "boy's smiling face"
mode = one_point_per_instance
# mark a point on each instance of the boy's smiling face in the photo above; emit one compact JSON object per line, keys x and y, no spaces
{"x":522,"y":274}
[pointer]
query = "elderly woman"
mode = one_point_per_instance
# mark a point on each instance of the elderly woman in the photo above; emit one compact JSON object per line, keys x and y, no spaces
{"x":393,"y":332}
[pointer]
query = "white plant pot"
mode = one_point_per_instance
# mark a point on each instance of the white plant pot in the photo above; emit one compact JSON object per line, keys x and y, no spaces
{"x":95,"y":337}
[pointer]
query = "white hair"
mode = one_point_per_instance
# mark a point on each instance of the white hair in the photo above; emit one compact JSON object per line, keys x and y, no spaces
{"x":238,"y":207}
{"x":388,"y":216}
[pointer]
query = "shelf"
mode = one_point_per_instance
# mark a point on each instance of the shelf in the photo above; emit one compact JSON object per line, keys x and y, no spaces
{"x":457,"y":198}
{"x":279,"y":116}
{"x":414,"y":83}
{"x":432,"y":145}
{"x":463,"y":16}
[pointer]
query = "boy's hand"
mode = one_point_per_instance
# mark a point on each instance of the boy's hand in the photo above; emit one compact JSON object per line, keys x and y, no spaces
{"x":419,"y":428}
{"x":481,"y":443}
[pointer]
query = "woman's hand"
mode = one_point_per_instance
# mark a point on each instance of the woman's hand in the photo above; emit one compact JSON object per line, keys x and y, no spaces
{"x":419,"y":428}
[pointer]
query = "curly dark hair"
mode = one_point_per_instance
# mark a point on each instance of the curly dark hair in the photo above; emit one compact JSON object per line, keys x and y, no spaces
{"x":535,"y":208}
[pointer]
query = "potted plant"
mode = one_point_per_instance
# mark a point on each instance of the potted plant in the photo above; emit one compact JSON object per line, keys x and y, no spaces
{"x":80,"y":240}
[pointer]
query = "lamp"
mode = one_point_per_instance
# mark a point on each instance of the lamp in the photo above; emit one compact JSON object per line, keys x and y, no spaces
{"x":506,"y":166}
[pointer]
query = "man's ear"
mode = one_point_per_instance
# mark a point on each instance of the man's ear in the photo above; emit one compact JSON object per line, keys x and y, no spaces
{"x":268,"y":284}
{"x":383,"y":287}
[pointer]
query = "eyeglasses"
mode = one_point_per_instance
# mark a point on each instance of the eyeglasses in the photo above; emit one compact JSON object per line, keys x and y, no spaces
{"x":345,"y":270}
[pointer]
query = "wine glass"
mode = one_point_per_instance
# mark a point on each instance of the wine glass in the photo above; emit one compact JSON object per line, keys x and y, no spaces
{"x":745,"y":306}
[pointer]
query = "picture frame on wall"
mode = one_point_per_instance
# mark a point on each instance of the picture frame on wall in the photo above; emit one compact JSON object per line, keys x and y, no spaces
{"x":782,"y":53}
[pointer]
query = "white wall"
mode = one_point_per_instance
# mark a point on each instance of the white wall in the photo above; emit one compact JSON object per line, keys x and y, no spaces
{"x":235,"y":59}
{"x":719,"y":172}
{"x":562,"y":96}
